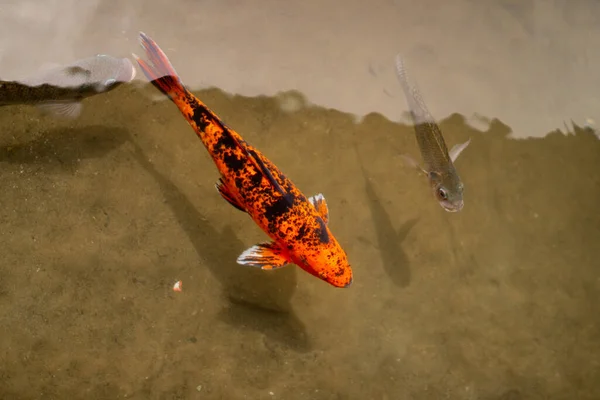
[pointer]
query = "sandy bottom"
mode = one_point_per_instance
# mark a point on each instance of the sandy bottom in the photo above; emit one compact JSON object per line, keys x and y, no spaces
{"x":100,"y":217}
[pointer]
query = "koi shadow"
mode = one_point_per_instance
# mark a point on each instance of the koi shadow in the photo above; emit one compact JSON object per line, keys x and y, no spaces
{"x":256,"y":300}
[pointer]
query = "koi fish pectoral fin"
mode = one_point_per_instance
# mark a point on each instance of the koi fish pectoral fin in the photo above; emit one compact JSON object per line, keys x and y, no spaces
{"x":222,"y":189}
{"x":318,"y":201}
{"x":412,"y":163}
{"x":457,"y":149}
{"x":264,"y":255}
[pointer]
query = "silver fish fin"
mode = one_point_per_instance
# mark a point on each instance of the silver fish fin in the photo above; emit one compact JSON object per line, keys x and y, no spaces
{"x":457,"y":149}
{"x":318,"y":201}
{"x":412,"y":163}
{"x":266,"y":255}
{"x":61,"y":109}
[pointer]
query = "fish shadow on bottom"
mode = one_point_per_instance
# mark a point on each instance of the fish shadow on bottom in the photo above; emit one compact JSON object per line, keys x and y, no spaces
{"x":65,"y":147}
{"x":395,"y":261}
{"x":259,"y":300}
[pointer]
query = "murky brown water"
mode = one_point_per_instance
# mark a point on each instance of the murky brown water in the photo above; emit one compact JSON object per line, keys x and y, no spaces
{"x":101,"y":216}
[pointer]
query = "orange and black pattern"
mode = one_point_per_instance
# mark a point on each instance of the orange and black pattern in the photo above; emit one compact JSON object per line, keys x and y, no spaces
{"x":251,"y":183}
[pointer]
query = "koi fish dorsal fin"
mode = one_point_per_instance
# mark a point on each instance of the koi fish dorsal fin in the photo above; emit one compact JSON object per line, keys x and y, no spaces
{"x":226,"y":194}
{"x":261,"y":165}
{"x":266,"y":256}
{"x":318,"y":201}
{"x":258,"y":163}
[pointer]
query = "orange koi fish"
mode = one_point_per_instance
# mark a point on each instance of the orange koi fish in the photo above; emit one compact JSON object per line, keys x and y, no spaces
{"x":253,"y":184}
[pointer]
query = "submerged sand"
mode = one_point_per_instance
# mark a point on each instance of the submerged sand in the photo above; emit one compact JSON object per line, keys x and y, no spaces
{"x":101,"y":216}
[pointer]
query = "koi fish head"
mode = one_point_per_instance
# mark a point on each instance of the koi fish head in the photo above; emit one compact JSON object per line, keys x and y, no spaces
{"x":448,"y":190}
{"x":328,"y":262}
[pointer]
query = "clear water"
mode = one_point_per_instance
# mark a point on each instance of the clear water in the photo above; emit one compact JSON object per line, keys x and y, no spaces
{"x":102,"y":215}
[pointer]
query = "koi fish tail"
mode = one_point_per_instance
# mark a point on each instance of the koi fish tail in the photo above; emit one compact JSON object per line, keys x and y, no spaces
{"x":159,"y":70}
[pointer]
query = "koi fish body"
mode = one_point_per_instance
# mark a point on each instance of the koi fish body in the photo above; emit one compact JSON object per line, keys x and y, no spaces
{"x":298,"y":226}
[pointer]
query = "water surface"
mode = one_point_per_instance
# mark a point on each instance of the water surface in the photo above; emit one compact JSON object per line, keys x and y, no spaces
{"x":101,"y":216}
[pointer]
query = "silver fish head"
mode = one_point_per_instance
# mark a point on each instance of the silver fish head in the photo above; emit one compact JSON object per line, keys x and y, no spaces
{"x":448,"y":190}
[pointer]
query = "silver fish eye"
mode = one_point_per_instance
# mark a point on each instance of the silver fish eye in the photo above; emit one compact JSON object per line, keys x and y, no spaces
{"x":442,"y":193}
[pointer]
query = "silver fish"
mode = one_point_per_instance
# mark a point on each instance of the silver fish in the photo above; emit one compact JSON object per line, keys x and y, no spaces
{"x":439,"y":163}
{"x":60,"y":90}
